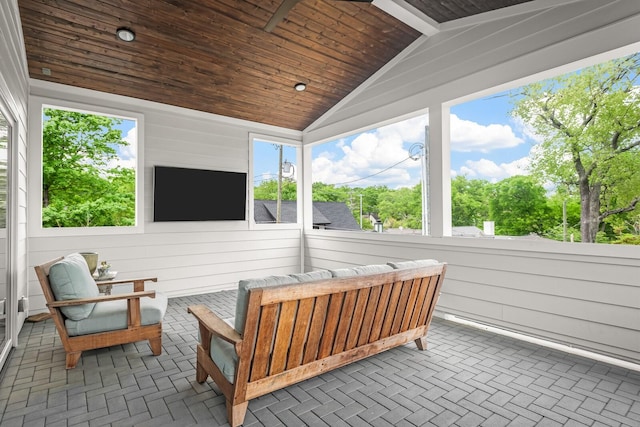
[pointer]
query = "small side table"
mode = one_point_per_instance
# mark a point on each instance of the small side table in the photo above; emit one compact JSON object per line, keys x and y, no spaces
{"x":104,"y":283}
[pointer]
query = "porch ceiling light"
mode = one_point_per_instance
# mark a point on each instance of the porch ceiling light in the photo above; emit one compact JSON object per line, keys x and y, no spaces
{"x":300,"y":87}
{"x":125,"y":34}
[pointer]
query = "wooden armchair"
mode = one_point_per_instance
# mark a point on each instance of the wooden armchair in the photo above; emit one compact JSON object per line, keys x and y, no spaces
{"x":95,"y":321}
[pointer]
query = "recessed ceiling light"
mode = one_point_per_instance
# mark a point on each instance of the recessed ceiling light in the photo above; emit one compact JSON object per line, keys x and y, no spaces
{"x":300,"y":87}
{"x":125,"y":34}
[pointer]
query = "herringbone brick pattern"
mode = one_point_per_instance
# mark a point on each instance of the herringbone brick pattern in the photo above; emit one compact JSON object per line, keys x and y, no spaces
{"x":467,"y":377}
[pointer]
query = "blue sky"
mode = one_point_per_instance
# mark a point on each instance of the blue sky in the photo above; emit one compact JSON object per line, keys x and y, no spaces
{"x":127,"y":155}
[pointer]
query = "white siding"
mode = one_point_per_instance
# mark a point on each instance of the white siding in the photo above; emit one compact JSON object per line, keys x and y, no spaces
{"x":14,"y":91}
{"x":187,"y":257}
{"x":581,"y":295}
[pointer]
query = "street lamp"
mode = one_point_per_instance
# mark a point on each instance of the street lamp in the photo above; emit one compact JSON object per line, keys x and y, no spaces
{"x":289,"y":168}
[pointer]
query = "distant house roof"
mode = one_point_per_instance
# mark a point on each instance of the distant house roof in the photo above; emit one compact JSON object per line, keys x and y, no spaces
{"x":330,"y":215}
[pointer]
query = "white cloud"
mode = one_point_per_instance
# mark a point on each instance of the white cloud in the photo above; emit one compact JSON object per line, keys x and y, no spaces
{"x":373,"y":153}
{"x":127,"y":154}
{"x":490,"y":170}
{"x":468,"y":136}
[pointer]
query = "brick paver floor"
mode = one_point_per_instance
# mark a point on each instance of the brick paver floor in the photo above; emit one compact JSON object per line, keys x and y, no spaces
{"x":467,"y":377}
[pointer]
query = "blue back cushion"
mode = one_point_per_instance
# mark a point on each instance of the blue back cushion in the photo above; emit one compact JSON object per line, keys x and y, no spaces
{"x":70,"y":279}
{"x":243,"y":295}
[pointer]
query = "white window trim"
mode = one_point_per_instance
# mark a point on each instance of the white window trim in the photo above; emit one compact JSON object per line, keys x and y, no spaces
{"x":299,"y":182}
{"x":36,"y":106}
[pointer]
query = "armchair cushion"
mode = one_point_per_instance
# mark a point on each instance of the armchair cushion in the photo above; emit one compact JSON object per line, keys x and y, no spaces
{"x":112,"y":315}
{"x":70,"y":279}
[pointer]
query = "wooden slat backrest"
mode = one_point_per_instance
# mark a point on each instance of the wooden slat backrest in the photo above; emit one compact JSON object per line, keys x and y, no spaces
{"x":294,"y":329}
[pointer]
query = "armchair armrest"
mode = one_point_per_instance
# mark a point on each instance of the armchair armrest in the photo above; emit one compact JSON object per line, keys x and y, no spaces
{"x":79,"y":301}
{"x":212,"y":324}
{"x":138,"y":283}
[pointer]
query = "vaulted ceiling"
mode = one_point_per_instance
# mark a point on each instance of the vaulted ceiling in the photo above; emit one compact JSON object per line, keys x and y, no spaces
{"x":223,"y":56}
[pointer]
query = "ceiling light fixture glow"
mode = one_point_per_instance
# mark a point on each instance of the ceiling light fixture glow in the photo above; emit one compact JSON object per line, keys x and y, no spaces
{"x":300,"y":87}
{"x":125,"y":34}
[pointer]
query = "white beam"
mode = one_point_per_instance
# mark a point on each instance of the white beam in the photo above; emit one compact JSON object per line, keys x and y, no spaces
{"x":408,"y":14}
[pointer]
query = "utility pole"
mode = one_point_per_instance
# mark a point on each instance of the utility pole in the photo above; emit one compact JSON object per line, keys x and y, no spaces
{"x":425,"y":183}
{"x":360,"y":211}
{"x":564,"y":220}
{"x":279,"y":199}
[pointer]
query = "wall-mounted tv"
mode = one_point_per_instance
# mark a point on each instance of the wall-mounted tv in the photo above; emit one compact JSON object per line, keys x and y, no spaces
{"x":182,"y":194}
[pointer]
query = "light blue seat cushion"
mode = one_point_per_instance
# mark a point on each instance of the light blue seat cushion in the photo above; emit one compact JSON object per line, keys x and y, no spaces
{"x":242,"y":298}
{"x":112,"y":315}
{"x":413,"y":264}
{"x":362,"y":269}
{"x":70,"y":279}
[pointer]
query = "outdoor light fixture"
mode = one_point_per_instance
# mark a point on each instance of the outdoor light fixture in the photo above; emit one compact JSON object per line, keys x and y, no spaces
{"x":300,"y":87}
{"x":125,"y":34}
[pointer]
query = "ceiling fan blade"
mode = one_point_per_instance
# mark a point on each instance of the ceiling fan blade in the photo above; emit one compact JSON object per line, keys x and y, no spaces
{"x":279,"y":15}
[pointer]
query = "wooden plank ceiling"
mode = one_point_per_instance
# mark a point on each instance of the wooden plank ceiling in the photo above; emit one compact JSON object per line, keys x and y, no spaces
{"x":215,"y":55}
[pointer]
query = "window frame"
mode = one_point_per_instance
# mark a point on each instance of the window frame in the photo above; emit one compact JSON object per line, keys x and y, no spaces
{"x":297,"y":144}
{"x":36,"y":107}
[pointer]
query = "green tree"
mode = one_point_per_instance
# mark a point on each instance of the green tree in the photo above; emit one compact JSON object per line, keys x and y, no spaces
{"x":80,"y":188}
{"x":328,"y":193}
{"x":591,"y":133}
{"x":268,"y":190}
{"x":469,"y":201}
{"x":401,"y":207}
{"x":519,"y":206}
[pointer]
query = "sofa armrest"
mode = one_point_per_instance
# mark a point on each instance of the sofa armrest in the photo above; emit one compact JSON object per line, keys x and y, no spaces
{"x":211,"y":324}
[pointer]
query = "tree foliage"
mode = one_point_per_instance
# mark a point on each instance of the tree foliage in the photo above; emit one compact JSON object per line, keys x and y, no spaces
{"x":469,"y":201}
{"x":518,"y":206}
{"x":80,"y":185}
{"x":591,"y":137}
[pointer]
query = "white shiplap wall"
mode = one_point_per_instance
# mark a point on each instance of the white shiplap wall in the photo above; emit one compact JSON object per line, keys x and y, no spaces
{"x":582,"y":295}
{"x":192,"y":257}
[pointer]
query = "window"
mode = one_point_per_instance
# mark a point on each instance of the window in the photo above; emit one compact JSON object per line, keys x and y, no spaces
{"x":90,"y":167}
{"x":555,"y":159}
{"x":373,"y":180}
{"x":275,"y":181}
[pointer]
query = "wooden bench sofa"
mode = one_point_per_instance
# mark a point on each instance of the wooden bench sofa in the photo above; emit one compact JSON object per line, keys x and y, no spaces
{"x":291,"y":328}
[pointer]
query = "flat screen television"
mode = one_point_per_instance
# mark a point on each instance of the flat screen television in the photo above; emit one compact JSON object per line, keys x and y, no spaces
{"x":183,"y":194}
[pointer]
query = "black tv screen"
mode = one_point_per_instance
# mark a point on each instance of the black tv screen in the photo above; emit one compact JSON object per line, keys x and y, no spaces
{"x":182,"y":194}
